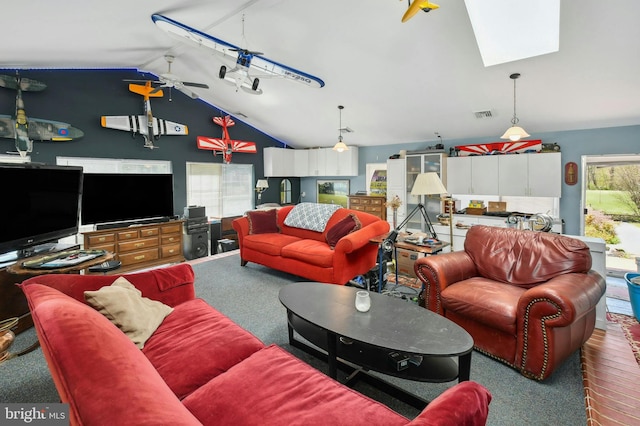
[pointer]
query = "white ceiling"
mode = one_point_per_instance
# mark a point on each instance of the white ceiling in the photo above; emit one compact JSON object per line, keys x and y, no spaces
{"x":399,"y":83}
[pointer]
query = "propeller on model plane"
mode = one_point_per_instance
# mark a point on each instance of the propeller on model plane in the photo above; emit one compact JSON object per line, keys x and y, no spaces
{"x":27,"y":129}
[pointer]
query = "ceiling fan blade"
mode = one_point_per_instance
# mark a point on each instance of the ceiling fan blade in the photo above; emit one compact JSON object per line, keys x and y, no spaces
{"x":201,"y":85}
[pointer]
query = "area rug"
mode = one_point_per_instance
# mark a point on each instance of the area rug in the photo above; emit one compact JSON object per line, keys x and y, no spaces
{"x":631,"y":329}
{"x":249,"y":296}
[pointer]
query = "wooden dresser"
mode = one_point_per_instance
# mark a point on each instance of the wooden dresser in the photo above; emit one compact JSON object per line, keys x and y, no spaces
{"x":142,"y":246}
{"x":373,"y":204}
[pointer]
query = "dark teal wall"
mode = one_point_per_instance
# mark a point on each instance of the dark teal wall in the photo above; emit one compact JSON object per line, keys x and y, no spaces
{"x":80,"y":97}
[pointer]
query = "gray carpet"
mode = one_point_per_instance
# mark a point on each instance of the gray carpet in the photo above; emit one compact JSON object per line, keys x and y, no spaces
{"x":249,"y":296}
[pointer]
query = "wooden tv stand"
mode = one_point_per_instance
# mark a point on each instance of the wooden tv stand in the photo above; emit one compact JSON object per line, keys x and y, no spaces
{"x":140,"y":246}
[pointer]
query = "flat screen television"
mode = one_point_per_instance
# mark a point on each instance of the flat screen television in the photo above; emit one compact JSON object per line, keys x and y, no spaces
{"x":126,"y":197}
{"x":40,"y":204}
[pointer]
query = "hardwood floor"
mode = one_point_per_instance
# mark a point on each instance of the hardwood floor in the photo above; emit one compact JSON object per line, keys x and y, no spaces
{"x":610,"y":371}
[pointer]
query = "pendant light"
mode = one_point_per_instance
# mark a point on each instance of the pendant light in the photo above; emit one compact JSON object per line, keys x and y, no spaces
{"x":340,"y":146}
{"x":514,"y":133}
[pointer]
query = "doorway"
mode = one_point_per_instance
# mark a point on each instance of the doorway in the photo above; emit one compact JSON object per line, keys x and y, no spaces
{"x":611,"y":207}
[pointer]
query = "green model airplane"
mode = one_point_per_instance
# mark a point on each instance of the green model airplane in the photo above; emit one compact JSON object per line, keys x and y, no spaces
{"x":25,"y":129}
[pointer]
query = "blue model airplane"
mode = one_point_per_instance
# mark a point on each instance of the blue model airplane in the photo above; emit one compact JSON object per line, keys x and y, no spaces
{"x":246,"y":61}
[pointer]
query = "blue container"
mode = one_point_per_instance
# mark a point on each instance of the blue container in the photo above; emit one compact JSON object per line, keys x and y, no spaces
{"x":634,"y":293}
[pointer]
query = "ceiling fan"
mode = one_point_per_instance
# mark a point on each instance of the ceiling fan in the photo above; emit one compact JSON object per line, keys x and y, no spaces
{"x":173,"y":81}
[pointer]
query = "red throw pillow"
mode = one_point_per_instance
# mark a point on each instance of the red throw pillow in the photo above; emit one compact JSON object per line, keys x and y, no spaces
{"x":346,"y":226}
{"x":263,"y":221}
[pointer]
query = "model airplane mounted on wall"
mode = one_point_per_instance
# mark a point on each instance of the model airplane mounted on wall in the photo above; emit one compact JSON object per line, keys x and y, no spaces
{"x":225,"y":145}
{"x":416,"y":7}
{"x":147,"y":125}
{"x":27,"y":129}
{"x":246,"y":62}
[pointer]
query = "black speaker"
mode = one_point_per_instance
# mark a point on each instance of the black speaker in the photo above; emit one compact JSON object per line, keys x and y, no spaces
{"x":196,"y":245}
{"x":215,"y":230}
{"x":193,"y":212}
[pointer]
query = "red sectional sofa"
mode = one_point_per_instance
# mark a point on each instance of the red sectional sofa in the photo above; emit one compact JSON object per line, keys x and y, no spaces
{"x":198,"y":367}
{"x":306,"y":253}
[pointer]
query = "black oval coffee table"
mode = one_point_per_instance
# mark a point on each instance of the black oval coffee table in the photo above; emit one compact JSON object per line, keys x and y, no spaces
{"x":394,"y":337}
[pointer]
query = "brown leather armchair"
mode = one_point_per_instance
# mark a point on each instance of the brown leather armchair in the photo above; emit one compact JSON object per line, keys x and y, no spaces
{"x":527,"y":298}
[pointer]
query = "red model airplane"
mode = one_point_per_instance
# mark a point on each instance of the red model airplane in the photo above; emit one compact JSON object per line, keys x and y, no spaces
{"x":225,"y":145}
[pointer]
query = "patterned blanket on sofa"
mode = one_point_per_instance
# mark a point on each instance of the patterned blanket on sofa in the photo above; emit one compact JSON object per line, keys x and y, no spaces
{"x":312,"y":216}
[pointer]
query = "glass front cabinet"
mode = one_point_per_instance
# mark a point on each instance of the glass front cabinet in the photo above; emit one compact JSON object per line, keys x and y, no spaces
{"x":423,"y":163}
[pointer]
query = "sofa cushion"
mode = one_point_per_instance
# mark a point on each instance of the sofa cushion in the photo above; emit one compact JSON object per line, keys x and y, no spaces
{"x":291,"y":393}
{"x":270,"y":244}
{"x":195,"y":344}
{"x":97,"y":370}
{"x":524,"y":258}
{"x":349,"y":224}
{"x":484,"y":301}
{"x":138,"y":317}
{"x":316,"y":253}
{"x":263,"y":221}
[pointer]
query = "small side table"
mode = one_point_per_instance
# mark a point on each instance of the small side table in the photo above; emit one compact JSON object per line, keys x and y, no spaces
{"x":400,"y":243}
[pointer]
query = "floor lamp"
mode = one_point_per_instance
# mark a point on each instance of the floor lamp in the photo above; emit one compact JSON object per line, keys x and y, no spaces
{"x":425,"y":184}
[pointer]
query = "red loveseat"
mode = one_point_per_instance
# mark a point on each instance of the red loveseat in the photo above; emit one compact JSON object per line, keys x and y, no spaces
{"x":527,"y":298}
{"x":198,"y":367}
{"x":306,"y":253}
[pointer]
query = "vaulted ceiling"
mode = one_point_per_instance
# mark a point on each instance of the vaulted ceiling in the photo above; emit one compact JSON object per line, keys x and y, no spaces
{"x":399,"y":82}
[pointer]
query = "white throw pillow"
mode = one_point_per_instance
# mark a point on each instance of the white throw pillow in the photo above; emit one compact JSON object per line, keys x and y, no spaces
{"x":138,"y":317}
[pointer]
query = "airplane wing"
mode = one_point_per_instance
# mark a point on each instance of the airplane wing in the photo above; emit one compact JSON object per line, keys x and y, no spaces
{"x":195,"y":37}
{"x":138,"y":124}
{"x":217,"y":144}
{"x":260,"y":63}
{"x":49,"y":130}
{"x":7,"y":127}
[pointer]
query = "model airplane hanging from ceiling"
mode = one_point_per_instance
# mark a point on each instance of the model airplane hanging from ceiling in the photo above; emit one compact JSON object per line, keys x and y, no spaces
{"x":225,"y":145}
{"x":147,"y":125}
{"x":27,"y":129}
{"x":246,"y":62}
{"x":416,"y":7}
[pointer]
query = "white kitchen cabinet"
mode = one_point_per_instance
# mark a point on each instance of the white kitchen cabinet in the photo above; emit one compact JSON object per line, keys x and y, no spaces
{"x":530,"y":175}
{"x":327,"y":162}
{"x":278,"y":162}
{"x":396,"y":185}
{"x":473,"y":175}
{"x":300,"y":162}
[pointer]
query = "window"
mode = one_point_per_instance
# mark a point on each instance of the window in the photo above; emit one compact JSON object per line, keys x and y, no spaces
{"x":225,"y":190}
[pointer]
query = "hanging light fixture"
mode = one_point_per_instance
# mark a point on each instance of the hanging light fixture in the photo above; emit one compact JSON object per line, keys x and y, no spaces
{"x":514,"y":133}
{"x":340,"y":146}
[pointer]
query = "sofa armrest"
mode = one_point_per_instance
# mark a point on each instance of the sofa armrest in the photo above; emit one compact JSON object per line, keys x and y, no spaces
{"x":439,"y":271}
{"x":561,"y":300}
{"x":360,"y":238}
{"x":466,"y":403}
{"x":172,"y":285}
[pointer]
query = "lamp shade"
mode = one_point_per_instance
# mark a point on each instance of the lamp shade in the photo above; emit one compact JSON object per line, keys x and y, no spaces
{"x":262,"y":184}
{"x":515,"y":133}
{"x":428,"y":184}
{"x":340,"y":146}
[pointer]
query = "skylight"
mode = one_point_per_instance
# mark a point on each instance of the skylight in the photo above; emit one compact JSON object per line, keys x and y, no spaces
{"x":509,"y":30}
